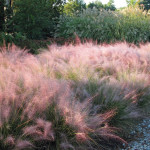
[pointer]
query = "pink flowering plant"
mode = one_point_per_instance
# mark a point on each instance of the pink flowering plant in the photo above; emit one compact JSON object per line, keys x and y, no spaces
{"x":76,"y":97}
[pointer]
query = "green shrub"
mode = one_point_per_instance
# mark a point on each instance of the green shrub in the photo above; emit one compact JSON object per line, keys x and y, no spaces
{"x":21,"y":41}
{"x":34,"y":18}
{"x":134,"y":25}
{"x":5,"y":38}
{"x":73,"y":6}
{"x":131,"y":25}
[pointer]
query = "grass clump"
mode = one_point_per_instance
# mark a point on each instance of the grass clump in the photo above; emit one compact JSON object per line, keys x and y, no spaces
{"x":68,"y":98}
{"x":130,"y":24}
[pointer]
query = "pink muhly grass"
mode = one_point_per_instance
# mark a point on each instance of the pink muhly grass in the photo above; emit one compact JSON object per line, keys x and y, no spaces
{"x":82,"y":137}
{"x":47,"y":128}
{"x":23,"y":144}
{"x":10,"y":140}
{"x":41,"y":131}
{"x":29,"y":83}
{"x":74,"y":112}
{"x":85,"y":59}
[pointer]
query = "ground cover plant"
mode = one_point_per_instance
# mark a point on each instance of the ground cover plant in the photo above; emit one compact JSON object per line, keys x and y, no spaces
{"x":82,"y":96}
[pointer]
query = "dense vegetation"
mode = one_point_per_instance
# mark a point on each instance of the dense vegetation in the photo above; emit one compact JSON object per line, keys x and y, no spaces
{"x":130,"y":24}
{"x":34,"y":23}
{"x":72,"y":97}
{"x":86,"y":93}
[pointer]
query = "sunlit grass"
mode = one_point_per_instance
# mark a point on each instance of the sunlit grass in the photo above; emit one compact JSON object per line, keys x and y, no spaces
{"x":72,"y":97}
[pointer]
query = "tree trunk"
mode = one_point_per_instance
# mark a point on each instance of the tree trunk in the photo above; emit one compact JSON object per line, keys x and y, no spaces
{"x":2,"y":19}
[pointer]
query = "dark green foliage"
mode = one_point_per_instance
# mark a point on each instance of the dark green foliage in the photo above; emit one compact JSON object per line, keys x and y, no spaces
{"x":110,"y":5}
{"x":145,"y":4}
{"x":25,"y":22}
{"x":2,"y":21}
{"x":5,"y":39}
{"x":34,"y":18}
{"x":9,"y":26}
{"x":21,"y":41}
{"x":98,"y":4}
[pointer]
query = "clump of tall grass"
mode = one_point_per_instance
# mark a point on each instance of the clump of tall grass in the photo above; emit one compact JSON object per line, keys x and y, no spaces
{"x":116,"y":76}
{"x":38,"y":111}
{"x":130,"y":24}
{"x":72,"y":97}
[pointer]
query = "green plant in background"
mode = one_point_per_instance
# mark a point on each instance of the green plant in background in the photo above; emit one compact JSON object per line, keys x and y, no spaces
{"x":130,"y":24}
{"x":98,"y":4}
{"x":2,"y":17}
{"x":5,"y":39}
{"x":74,"y":6}
{"x":27,"y":22}
{"x":33,"y":46}
{"x":135,"y":25}
{"x":131,"y":2}
{"x":110,"y":5}
{"x":34,"y":17}
{"x":145,"y":4}
{"x":9,"y":24}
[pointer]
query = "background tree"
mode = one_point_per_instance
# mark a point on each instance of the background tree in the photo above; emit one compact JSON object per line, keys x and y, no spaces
{"x":97,"y":4}
{"x":111,"y":2}
{"x":34,"y":18}
{"x":73,"y":6}
{"x":131,"y":2}
{"x":2,"y":19}
{"x":145,"y":4}
{"x":8,"y":16}
{"x":110,"y":5}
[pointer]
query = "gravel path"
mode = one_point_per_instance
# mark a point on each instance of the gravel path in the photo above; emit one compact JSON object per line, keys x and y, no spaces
{"x":142,"y":134}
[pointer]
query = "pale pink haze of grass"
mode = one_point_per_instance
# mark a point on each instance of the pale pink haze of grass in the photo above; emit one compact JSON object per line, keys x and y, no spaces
{"x":31,"y":83}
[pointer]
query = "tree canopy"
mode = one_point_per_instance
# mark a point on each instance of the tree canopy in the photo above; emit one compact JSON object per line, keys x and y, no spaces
{"x":73,"y":6}
{"x":98,"y":4}
{"x":2,"y":20}
{"x":34,"y":17}
{"x":131,"y":2}
{"x":145,"y":4}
